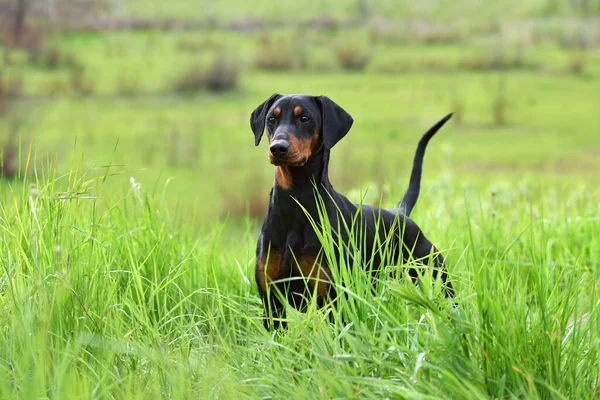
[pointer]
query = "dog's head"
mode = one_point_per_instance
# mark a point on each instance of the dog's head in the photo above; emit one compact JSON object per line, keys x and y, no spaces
{"x":298,"y":125}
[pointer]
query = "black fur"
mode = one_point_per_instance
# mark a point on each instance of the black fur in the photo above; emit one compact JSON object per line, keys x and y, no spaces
{"x":257,"y":118}
{"x":414,"y":187}
{"x":287,"y":237}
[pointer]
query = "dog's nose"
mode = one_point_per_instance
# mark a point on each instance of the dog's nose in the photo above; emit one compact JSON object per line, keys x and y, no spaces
{"x":279,"y":148}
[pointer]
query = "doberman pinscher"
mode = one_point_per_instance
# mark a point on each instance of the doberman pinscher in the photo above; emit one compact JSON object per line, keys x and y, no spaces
{"x":290,"y":265}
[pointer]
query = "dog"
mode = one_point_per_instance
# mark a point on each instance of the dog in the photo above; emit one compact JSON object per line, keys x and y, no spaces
{"x":290,"y":266}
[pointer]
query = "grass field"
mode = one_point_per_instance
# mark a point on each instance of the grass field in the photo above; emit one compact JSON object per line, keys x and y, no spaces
{"x":550,"y":118}
{"x":127,"y":272}
{"x":124,"y":301}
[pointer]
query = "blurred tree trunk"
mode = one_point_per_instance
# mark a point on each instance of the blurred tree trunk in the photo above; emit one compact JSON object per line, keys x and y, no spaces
{"x":9,"y":151}
{"x":51,"y":10}
{"x":22,"y":7}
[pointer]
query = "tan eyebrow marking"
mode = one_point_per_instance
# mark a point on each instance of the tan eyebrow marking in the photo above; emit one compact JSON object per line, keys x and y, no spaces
{"x":277,"y":111}
{"x":297,"y":111}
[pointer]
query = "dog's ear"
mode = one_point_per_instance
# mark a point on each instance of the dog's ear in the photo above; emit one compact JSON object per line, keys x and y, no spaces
{"x":257,"y":118}
{"x":336,"y":122}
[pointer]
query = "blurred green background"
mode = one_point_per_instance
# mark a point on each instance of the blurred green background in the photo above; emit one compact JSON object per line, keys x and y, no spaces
{"x":162,"y":92}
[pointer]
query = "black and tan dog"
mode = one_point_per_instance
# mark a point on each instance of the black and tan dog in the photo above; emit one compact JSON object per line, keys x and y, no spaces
{"x":289,"y":262}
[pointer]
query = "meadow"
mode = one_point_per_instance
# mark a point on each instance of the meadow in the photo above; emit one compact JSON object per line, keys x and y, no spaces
{"x":127,"y":270}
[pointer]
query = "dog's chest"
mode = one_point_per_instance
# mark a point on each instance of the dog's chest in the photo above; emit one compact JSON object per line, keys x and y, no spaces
{"x":292,"y":259}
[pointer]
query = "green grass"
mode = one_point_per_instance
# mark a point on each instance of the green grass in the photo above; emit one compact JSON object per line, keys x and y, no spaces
{"x":123,"y":300}
{"x":199,"y":139}
{"x":540,"y":138}
{"x":288,"y":10}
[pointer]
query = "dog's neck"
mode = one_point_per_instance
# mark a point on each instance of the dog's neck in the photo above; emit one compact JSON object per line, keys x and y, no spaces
{"x":300,"y":182}
{"x":295,"y":186}
{"x":288,"y":207}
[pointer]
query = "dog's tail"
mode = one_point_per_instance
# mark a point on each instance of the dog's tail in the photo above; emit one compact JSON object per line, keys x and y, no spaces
{"x":414,"y":187}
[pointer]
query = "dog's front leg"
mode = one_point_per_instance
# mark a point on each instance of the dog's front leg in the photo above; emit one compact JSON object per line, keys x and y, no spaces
{"x":275,"y":314}
{"x":267,"y":272}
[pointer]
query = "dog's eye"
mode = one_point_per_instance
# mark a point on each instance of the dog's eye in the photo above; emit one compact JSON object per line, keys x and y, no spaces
{"x":271,"y":120}
{"x":304,"y":118}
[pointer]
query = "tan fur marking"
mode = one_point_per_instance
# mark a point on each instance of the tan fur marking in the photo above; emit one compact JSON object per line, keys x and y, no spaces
{"x":300,"y":149}
{"x":297,"y":111}
{"x":314,"y":272}
{"x":268,"y":270}
{"x":298,"y":154}
{"x":277,"y":111}
{"x":315,"y":141}
{"x":283,"y":177}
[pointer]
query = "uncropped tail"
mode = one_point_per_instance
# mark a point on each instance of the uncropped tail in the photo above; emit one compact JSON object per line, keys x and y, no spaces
{"x":414,"y":187}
